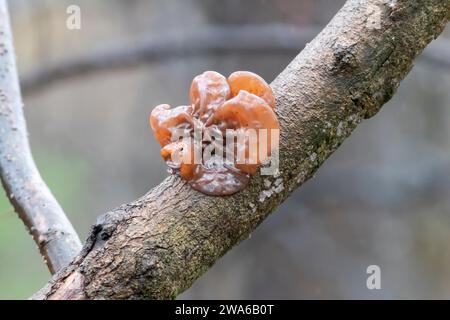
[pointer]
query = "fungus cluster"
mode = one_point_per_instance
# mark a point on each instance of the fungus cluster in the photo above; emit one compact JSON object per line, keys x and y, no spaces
{"x":219,"y":107}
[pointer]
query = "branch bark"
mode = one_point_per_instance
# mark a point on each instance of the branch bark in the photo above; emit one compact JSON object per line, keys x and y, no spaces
{"x":157,"y":246}
{"x":32,"y":200}
{"x":252,"y":40}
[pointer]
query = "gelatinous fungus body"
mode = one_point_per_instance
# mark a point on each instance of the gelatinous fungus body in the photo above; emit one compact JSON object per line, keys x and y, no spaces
{"x":219,"y":140}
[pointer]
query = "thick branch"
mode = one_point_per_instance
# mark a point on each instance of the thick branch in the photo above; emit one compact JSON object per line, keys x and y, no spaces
{"x":253,"y":40}
{"x":157,"y":246}
{"x":26,"y":190}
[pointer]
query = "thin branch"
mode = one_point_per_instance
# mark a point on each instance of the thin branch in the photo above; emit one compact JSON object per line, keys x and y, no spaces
{"x":215,"y":40}
{"x":255,"y":40}
{"x":32,"y":200}
{"x":157,"y":246}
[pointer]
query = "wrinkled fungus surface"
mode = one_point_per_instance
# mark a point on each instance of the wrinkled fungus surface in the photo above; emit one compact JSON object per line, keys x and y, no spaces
{"x":217,"y":107}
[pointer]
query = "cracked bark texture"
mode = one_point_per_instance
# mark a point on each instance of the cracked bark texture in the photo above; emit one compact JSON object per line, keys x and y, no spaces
{"x":27,"y":192}
{"x":157,"y":246}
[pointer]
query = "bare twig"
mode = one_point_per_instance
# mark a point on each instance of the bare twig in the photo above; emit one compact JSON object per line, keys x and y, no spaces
{"x":256,"y":40}
{"x":26,"y":190}
{"x":214,"y":40}
{"x":157,"y":246}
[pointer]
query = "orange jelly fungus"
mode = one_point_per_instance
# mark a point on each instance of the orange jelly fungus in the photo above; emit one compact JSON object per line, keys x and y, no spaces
{"x":243,"y":101}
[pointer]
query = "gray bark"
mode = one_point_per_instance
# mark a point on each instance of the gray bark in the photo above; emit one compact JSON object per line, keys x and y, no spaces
{"x":28,"y":193}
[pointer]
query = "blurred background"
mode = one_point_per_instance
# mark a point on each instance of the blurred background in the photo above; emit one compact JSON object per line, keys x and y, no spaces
{"x":382,"y":198}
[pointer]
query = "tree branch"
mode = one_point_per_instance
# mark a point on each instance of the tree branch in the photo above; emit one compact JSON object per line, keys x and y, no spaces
{"x":157,"y":246}
{"x":253,"y":40}
{"x":32,"y":200}
{"x":212,"y":40}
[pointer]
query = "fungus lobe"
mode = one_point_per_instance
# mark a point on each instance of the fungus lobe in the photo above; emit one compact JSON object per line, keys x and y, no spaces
{"x":219,"y":140}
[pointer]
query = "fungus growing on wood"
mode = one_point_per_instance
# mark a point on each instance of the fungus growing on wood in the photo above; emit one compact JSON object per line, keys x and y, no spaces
{"x":219,"y":140}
